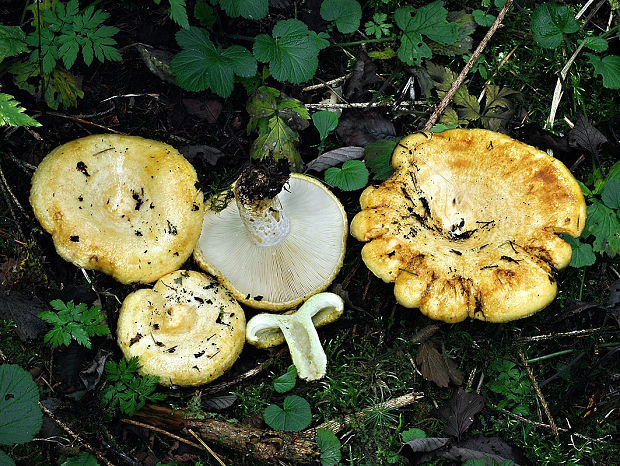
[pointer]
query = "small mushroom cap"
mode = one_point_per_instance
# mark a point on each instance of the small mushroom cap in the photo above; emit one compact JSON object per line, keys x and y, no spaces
{"x":282,"y":276}
{"x":187,"y":330}
{"x":123,"y":205}
{"x":467,"y":225}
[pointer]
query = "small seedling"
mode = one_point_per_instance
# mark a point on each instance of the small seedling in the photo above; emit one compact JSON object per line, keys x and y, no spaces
{"x":71,"y":322}
{"x":127,"y":389}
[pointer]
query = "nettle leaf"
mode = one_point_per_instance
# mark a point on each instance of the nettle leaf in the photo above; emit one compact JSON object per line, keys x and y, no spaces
{"x":603,"y":223}
{"x":201,"y":65}
{"x":294,"y":416}
{"x":608,"y":67}
{"x":325,"y":121}
{"x":292,"y":51}
{"x":352,"y":176}
{"x":482,"y":18}
{"x":429,"y":20}
{"x":286,"y":381}
{"x":12,"y":114}
{"x":583,"y":256}
{"x":347,"y":14}
{"x":178,"y":13}
{"x":249,"y":9}
{"x":12,"y":41}
{"x":19,"y":405}
{"x":329,"y":445}
{"x":550,"y":22}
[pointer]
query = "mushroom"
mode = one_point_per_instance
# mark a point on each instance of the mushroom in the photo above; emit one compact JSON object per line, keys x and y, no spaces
{"x":299,"y":330}
{"x":187,"y":329}
{"x":468,"y":223}
{"x":274,"y":247}
{"x":123,"y":205}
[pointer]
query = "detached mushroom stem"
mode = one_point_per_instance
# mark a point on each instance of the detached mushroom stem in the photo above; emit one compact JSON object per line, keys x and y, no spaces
{"x":299,"y":330}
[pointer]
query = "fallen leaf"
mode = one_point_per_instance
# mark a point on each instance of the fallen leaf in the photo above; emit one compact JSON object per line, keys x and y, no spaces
{"x":585,"y":136}
{"x":359,"y":128}
{"x":363,"y":78}
{"x":219,"y":402}
{"x":335,"y":157}
{"x":459,"y":413}
{"x":203,"y":153}
{"x":22,"y":310}
{"x":493,"y":448}
{"x":208,"y":110}
{"x":91,"y":376}
{"x":437,"y":367}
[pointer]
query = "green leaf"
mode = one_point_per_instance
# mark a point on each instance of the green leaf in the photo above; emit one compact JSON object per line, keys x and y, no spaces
{"x":611,"y":194}
{"x":204,"y":13}
{"x":325,"y":121}
{"x":378,"y":157}
{"x":12,"y":114}
{"x":20,"y":415}
{"x":583,"y":256}
{"x":604,"y":225}
{"x":6,"y":460}
{"x":596,"y":43}
{"x":345,"y":13}
{"x":550,"y":22}
{"x":482,"y":18}
{"x":294,"y":416}
{"x":178,"y":13}
{"x":83,"y":459}
{"x":352,"y":176}
{"x":608,"y":67}
{"x":413,"y":434}
{"x":286,"y":381}
{"x":200,"y":65}
{"x":279,"y":140}
{"x":292,"y":51}
{"x":249,"y":9}
{"x":12,"y":41}
{"x":329,"y":445}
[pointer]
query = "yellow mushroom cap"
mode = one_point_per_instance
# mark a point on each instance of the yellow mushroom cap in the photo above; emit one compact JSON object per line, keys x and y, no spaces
{"x":123,"y":205}
{"x":188,"y":330}
{"x":283,"y":275}
{"x":468,"y":223}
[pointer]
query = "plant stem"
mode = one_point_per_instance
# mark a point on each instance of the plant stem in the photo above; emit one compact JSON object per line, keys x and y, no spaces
{"x":583,"y":279}
{"x":366,"y":41}
{"x":549,"y":356}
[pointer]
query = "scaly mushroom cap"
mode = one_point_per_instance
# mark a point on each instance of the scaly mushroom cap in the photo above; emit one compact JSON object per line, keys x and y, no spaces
{"x":124,"y":205}
{"x":280,"y":276}
{"x":187,"y":330}
{"x":467,"y":225}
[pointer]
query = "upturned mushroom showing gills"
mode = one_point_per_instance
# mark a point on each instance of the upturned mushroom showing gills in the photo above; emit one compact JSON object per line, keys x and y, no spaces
{"x":123,"y":205}
{"x":298,"y":329}
{"x":282,"y":241}
{"x":468,"y":225}
{"x":188,"y":330}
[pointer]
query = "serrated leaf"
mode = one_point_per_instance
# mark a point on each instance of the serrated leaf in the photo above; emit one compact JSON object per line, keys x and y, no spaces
{"x":250,"y":9}
{"x":19,"y":405}
{"x":468,"y":106}
{"x":12,"y":114}
{"x":329,"y":445}
{"x":325,"y":121}
{"x":335,"y":157}
{"x":62,"y":88}
{"x":352,"y":176}
{"x":482,"y":18}
{"x":12,"y":41}
{"x":69,"y":52}
{"x":294,"y":416}
{"x":604,"y":225}
{"x":596,"y":43}
{"x":279,"y":141}
{"x":608,"y":67}
{"x":286,"y":381}
{"x":347,"y":14}
{"x":550,"y":22}
{"x":378,"y":157}
{"x":583,"y":256}
{"x":292,"y":52}
{"x":178,"y":13}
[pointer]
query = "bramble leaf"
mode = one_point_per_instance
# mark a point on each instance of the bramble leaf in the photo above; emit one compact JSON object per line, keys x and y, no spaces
{"x":550,"y":22}
{"x":596,"y":43}
{"x":249,"y":9}
{"x":12,"y":114}
{"x":294,"y":416}
{"x":352,"y":176}
{"x":345,"y":13}
{"x":608,"y":67}
{"x":178,"y":13}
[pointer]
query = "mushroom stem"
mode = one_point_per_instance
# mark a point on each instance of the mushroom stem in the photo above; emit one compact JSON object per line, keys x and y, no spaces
{"x":265,"y":220}
{"x":299,"y":331}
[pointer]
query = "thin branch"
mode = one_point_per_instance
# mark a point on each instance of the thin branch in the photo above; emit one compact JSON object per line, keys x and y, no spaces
{"x":161,"y":431}
{"x":86,"y":122}
{"x":470,"y":63}
{"x":550,"y":336}
{"x":314,"y":87}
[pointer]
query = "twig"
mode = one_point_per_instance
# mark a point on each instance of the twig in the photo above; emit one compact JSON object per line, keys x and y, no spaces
{"x":207,"y":447}
{"x":403,"y":105}
{"x":314,"y":87}
{"x":86,"y":122}
{"x":9,"y":194}
{"x":161,"y":431}
{"x":75,"y":436}
{"x":549,"y":336}
{"x":554,"y":427}
{"x":461,"y":77}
